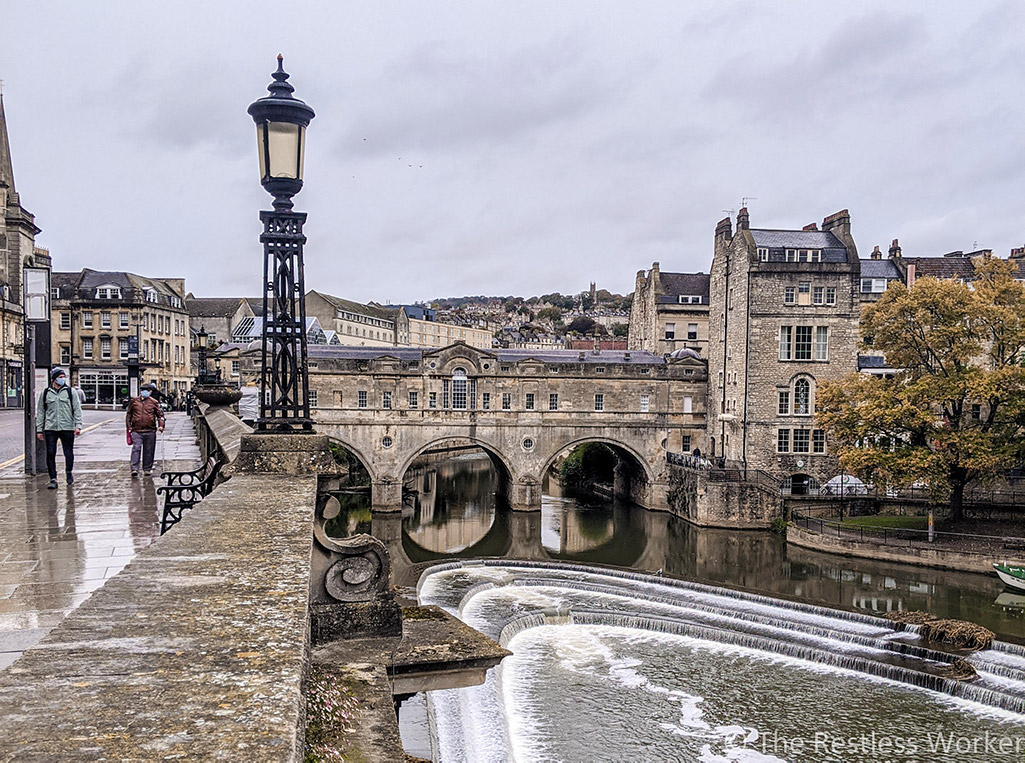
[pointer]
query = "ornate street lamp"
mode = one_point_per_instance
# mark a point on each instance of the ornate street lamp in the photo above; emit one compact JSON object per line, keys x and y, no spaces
{"x":281,"y":122}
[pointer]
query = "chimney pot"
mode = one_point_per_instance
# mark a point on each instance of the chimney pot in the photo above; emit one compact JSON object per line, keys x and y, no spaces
{"x":743,"y":219}
{"x":876,"y":254}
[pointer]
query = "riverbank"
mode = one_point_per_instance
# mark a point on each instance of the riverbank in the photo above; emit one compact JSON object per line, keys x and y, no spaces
{"x":938,"y":557}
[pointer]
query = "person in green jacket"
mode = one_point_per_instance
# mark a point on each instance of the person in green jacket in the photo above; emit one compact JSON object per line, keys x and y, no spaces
{"x":59,"y":417}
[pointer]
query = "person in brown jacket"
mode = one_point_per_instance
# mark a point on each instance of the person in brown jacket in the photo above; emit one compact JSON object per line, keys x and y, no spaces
{"x":143,"y":420}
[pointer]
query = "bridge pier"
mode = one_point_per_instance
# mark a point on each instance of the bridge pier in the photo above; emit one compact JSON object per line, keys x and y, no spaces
{"x":386,"y":495}
{"x":525,"y":494}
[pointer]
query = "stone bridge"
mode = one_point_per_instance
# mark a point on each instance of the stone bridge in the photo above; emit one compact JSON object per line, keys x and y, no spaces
{"x":525,"y":409}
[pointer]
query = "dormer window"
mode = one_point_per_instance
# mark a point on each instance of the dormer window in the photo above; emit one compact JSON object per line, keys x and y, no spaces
{"x":151,"y":294}
{"x":108,"y":292}
{"x":689,"y":299}
{"x":763,"y":253}
{"x":804,"y":255}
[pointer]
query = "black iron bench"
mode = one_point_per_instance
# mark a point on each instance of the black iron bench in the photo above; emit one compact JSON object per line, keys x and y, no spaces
{"x":185,"y":489}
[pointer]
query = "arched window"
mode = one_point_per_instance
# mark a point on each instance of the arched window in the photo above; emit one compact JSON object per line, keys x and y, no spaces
{"x":802,"y":397}
{"x":459,"y":389}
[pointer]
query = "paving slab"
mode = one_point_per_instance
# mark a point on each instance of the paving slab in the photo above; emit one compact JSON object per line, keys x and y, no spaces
{"x":58,"y":546}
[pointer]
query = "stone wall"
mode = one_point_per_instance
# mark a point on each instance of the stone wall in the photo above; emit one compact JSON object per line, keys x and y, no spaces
{"x":196,"y":650}
{"x":699,"y":497}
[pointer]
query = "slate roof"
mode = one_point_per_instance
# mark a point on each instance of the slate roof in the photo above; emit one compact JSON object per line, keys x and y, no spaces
{"x":796,"y":239}
{"x":880,"y":269}
{"x":214,"y":307}
{"x":91,"y":279}
{"x":832,"y":248}
{"x":685,"y":284}
{"x":943,"y":267}
{"x":637,"y":357}
{"x":355,"y":307}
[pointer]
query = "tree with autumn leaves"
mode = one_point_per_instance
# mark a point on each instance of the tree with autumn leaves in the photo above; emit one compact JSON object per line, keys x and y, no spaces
{"x":953,"y":415}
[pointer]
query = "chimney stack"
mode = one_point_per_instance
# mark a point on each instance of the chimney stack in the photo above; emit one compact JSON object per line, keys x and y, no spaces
{"x":839,"y":224}
{"x":876,"y":254}
{"x":724,"y":231}
{"x":895,"y":250}
{"x":810,"y":226}
{"x":743,"y":219}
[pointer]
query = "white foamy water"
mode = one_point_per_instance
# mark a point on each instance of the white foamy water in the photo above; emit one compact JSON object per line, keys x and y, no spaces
{"x":615,"y":666}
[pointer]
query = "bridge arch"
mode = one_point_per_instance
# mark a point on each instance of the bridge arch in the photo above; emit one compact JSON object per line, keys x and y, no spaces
{"x":615,"y":444}
{"x":493,"y":451}
{"x":634,"y":477}
{"x":357,"y":454}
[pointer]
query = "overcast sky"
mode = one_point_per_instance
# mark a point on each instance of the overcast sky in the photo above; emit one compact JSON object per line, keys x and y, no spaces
{"x":511,"y":147}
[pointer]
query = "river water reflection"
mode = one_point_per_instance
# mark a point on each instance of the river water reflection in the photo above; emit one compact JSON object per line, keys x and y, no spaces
{"x":457,"y":514}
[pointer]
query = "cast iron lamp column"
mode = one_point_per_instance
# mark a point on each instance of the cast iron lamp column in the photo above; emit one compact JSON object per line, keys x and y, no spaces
{"x":281,"y":122}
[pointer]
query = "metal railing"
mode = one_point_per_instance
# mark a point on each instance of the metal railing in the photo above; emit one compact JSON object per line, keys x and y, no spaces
{"x":1005,"y":496}
{"x":966,"y":543}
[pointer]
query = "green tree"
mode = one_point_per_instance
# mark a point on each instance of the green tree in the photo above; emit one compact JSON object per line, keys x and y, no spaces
{"x":549,"y":314}
{"x":953,"y":415}
{"x":620,"y":329}
{"x":582,"y":325}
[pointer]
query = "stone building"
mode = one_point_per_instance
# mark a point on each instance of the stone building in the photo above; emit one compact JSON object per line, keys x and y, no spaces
{"x":784,"y":318}
{"x":97,"y":314}
{"x":18,"y":232}
{"x":355,"y":324}
{"x":218,"y":316}
{"x":417,"y":326}
{"x":669,"y":312}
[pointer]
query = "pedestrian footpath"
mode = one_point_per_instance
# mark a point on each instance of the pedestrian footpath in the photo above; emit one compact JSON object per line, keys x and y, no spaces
{"x":58,"y":546}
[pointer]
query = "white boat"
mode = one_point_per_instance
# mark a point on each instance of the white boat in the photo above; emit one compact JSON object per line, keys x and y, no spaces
{"x":1012,"y":577}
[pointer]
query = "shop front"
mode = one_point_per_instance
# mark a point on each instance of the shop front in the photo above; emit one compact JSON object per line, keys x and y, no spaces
{"x":104,"y":388}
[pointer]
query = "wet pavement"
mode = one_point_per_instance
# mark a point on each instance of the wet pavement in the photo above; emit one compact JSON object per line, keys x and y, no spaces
{"x":58,"y":546}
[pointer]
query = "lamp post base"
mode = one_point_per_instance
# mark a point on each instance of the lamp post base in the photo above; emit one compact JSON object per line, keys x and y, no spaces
{"x":284,"y":426}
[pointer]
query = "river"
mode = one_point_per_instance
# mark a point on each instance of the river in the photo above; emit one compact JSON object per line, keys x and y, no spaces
{"x":695,"y":661}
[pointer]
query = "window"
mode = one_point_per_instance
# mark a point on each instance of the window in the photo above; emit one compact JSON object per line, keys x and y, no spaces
{"x":528,"y":402}
{"x":685,"y":443}
{"x":506,"y":401}
{"x":65,"y":355}
{"x":688,"y":404}
{"x":528,"y":443}
{"x":786,"y":342}
{"x":818,"y":295}
{"x":804,"y":293}
{"x":789,"y":295}
{"x":553,"y":401}
{"x":414,"y":398}
{"x":87,"y":349}
{"x":485,"y":400}
{"x":692,"y":331}
{"x":763,"y":253}
{"x":104,"y":320}
{"x":432,"y":399}
{"x":361,"y":398}
{"x":815,"y":255}
{"x":818,"y":441}
{"x":313,"y":398}
{"x":55,"y":292}
{"x":802,"y":439}
{"x":599,"y":370}
{"x":122,"y":348}
{"x":791,"y":255}
{"x":459,"y":389}
{"x":122,"y":320}
{"x":821,"y":343}
{"x":802,"y":342}
{"x":830,"y":295}
{"x":599,"y":402}
{"x":386,"y":400}
{"x":670,"y":331}
{"x":87,"y":319}
{"x":976,"y":412}
{"x":873,"y":285}
{"x":236,"y":367}
{"x":65,"y":321}
{"x":783,"y":409}
{"x":783,"y":441}
{"x":802,"y":397}
{"x":105,"y":348}
{"x":644,"y":403}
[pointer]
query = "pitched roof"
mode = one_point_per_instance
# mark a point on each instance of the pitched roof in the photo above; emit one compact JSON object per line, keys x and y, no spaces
{"x":355,"y":307}
{"x":943,"y":267}
{"x":880,"y":269}
{"x":213,"y":307}
{"x":685,"y":284}
{"x":796,"y":239}
{"x":636,"y":357}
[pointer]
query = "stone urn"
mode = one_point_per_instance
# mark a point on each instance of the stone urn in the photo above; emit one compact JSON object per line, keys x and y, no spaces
{"x":217,"y":394}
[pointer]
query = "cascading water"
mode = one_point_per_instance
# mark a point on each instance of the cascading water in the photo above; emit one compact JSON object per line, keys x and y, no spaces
{"x":615,"y":665}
